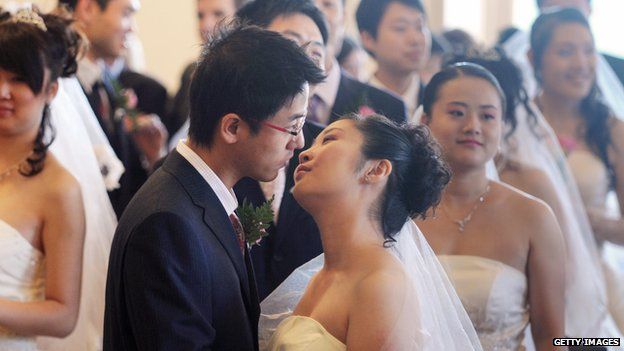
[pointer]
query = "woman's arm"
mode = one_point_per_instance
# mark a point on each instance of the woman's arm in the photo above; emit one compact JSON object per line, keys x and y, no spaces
{"x":607,"y":227}
{"x":63,"y":237}
{"x":546,"y":275}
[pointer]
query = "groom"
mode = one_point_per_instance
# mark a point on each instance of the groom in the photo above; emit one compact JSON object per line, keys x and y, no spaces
{"x":179,"y":276}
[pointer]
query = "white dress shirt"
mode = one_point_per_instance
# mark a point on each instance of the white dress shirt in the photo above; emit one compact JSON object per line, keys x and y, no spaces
{"x":409,"y":97}
{"x":226,"y":196}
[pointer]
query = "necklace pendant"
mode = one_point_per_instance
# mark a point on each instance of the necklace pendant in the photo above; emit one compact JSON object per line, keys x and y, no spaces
{"x":461,"y":225}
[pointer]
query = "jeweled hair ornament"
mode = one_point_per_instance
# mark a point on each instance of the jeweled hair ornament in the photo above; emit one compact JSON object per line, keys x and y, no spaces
{"x":29,"y":16}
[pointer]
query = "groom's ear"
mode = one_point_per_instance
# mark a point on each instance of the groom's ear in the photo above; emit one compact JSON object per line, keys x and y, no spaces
{"x":377,"y":171}
{"x":230,"y":127}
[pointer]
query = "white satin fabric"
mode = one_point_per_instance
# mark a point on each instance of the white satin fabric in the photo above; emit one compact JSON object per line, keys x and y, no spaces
{"x":495,"y":296}
{"x":22,"y":278}
{"x":434,"y":318}
{"x":299,"y":333}
{"x":76,"y":151}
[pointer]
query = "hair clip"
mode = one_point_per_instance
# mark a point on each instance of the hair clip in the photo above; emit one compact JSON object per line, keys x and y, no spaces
{"x":29,"y":16}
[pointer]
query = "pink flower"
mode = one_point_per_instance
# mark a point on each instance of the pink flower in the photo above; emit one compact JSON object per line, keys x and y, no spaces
{"x":366,"y":111}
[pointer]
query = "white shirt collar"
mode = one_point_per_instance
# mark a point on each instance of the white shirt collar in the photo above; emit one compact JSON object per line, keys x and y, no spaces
{"x":410,"y":97}
{"x":226,"y":196}
{"x":89,"y":72}
{"x":328,"y":89}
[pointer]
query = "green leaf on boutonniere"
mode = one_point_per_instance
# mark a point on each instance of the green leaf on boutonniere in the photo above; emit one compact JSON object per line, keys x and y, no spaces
{"x":255,"y":220}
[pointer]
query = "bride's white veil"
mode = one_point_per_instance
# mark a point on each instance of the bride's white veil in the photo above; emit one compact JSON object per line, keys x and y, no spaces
{"x":587,"y":312}
{"x":73,"y":148}
{"x":611,"y":88}
{"x":587,"y":286}
{"x":440,"y":321}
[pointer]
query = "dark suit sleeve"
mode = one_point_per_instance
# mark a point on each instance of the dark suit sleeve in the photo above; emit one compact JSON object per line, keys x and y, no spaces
{"x":167,"y":280}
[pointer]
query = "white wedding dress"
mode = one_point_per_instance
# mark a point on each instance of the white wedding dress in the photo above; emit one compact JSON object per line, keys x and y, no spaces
{"x":299,"y":333}
{"x":22,"y":271}
{"x":495,"y":297}
{"x":433,"y":318}
{"x":592,"y":178}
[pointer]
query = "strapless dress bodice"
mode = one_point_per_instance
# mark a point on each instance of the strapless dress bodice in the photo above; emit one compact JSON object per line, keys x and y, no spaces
{"x":591,"y":177}
{"x":299,"y":333}
{"x":22,"y":278}
{"x":494,"y":295}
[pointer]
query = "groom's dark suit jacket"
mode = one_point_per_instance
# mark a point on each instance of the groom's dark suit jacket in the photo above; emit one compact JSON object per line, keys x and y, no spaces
{"x":177,"y":279}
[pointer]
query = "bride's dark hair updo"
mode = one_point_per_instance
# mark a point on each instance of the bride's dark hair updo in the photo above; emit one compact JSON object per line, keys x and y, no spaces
{"x":27,"y":50}
{"x":418,"y":172}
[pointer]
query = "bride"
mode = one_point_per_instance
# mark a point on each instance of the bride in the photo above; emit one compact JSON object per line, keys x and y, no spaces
{"x":380,"y":287}
{"x":42,"y":223}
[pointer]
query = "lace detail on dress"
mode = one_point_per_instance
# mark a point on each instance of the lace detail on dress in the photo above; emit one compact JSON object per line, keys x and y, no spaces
{"x":495,"y":297}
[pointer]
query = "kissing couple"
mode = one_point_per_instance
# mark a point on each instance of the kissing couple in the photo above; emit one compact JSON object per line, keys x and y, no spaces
{"x":180,"y":275}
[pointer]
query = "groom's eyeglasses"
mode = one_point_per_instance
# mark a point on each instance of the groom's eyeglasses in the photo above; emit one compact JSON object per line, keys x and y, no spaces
{"x":294,"y":132}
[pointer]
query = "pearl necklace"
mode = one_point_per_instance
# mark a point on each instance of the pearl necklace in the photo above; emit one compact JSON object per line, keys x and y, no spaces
{"x":461,"y":223}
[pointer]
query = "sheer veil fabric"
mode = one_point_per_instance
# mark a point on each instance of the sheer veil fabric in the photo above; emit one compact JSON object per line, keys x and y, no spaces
{"x":434,"y":318}
{"x":610,"y":86}
{"x":74,"y":150}
{"x":590,"y":279}
{"x":587,"y":289}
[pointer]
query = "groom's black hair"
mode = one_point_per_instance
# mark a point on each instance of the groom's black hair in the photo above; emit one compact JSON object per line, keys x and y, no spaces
{"x":250,"y":72}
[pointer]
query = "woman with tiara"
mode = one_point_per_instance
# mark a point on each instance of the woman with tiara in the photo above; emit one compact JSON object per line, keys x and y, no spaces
{"x":378,"y":285}
{"x":502,"y":249}
{"x":42,"y":223}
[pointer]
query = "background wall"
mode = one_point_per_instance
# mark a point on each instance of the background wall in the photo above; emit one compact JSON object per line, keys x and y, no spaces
{"x":167,"y":29}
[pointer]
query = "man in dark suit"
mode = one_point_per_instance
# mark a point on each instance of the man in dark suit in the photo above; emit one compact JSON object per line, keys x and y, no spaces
{"x":294,"y":238}
{"x":106,"y":24}
{"x":396,"y":34}
{"x":180,"y":277}
{"x":340,"y":93}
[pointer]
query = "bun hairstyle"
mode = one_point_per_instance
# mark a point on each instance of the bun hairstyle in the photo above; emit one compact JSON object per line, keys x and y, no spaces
{"x":30,"y":49}
{"x":418,"y":172}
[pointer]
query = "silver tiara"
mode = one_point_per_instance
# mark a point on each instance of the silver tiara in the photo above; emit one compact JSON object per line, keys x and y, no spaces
{"x":29,"y":16}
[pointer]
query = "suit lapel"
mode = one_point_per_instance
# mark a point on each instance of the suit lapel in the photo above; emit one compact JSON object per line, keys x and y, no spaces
{"x":344,"y":97}
{"x":215,"y":217}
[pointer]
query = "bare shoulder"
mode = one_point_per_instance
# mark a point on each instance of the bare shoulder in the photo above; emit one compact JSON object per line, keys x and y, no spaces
{"x":386,"y":282}
{"x":58,"y":185}
{"x":617,"y":137}
{"x":617,"y":130}
{"x":525,"y":206}
{"x":537,"y":218}
{"x":527,"y":178}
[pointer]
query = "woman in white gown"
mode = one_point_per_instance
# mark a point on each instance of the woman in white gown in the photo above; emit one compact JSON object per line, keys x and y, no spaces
{"x":380,"y":287}
{"x":502,"y":248}
{"x":42,"y":221}
{"x":592,"y":138}
{"x":531,"y":161}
